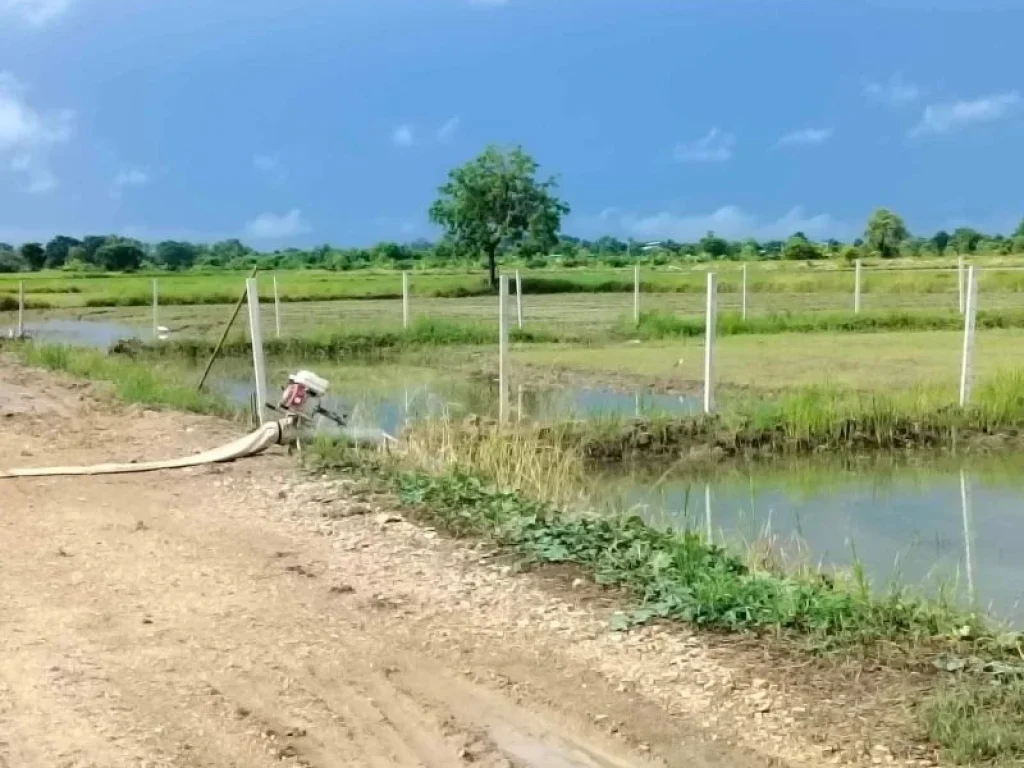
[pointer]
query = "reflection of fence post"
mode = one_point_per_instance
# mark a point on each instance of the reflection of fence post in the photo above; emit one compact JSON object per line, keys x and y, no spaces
{"x":709,"y":343}
{"x":519,"y":300}
{"x":960,"y":282}
{"x":502,"y":350}
{"x":856,"y":288}
{"x":156,"y":311}
{"x":636,"y":295}
{"x":277,"y":310}
{"x":970,"y":314}
{"x":259,"y":366}
{"x":965,"y":509}
{"x":743,"y":298}
{"x":21,"y":309}
{"x":405,"y":300}
{"x":707,"y":513}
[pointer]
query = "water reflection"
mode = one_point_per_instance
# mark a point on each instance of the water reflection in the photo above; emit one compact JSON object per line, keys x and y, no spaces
{"x":913,"y":525}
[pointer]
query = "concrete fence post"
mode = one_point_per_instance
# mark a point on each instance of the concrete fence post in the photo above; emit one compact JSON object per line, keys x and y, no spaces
{"x":21,"y":309}
{"x":502,"y":350}
{"x":711,"y":318}
{"x":970,"y":318}
{"x":259,"y":366}
{"x":857,"y":288}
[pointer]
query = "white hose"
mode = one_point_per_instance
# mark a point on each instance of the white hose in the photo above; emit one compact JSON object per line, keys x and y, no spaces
{"x":254,"y":443}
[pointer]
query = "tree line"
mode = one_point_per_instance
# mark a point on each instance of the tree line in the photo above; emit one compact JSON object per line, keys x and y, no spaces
{"x":495,"y":208}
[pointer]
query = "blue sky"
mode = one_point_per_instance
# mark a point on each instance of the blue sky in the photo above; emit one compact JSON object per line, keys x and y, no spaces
{"x":311,"y":121}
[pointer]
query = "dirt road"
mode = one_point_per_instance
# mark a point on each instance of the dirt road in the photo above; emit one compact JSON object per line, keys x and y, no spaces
{"x":244,"y":616}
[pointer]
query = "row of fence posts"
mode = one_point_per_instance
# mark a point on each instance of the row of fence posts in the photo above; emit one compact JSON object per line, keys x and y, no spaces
{"x":962,"y":291}
{"x":968,"y":291}
{"x":970,"y":311}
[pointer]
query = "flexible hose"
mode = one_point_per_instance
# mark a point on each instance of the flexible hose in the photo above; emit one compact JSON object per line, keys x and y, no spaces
{"x":254,"y":443}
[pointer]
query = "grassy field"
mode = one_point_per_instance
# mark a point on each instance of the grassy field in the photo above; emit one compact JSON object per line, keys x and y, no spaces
{"x":922,"y":277}
{"x":876,"y":362}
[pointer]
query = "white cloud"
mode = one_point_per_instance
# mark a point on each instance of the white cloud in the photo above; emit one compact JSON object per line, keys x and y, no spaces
{"x":27,"y":134}
{"x":35,"y":12}
{"x":894,"y":91}
{"x":132,"y":177}
{"x":271,"y":226}
{"x":715,"y":147}
{"x":404,"y":136}
{"x":447,"y":131}
{"x":955,"y":115}
{"x":805,"y":137}
{"x":22,"y":126}
{"x":729,"y":221}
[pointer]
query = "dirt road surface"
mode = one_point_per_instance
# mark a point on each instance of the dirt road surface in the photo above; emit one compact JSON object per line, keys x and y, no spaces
{"x":244,"y":615}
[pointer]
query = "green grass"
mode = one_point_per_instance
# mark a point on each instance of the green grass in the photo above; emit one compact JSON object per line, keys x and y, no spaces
{"x":154,"y":386}
{"x":354,"y":342}
{"x":883,"y":362}
{"x":979,"y":720}
{"x":815,"y":420}
{"x":897,"y":277}
{"x":662,"y":325}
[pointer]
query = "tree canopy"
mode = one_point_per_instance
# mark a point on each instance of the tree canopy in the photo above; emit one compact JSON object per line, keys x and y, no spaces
{"x":495,"y":203}
{"x":885,"y":232}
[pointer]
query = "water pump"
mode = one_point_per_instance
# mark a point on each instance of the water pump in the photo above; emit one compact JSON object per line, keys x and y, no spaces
{"x":301,"y":398}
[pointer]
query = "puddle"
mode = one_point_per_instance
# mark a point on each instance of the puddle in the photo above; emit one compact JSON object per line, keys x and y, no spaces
{"x":933,"y":527}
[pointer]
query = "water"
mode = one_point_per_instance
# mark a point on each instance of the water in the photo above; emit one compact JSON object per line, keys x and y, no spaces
{"x":389,"y":405}
{"x":81,"y":333}
{"x":913,"y":525}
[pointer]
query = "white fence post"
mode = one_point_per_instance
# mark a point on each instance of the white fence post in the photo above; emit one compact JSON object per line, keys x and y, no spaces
{"x":743,"y":297}
{"x":709,"y":343}
{"x":156,"y":311}
{"x":856,"y":288}
{"x":519,"y":300}
{"x":636,"y":295}
{"x":970,"y":315}
{"x":960,"y":281}
{"x":277,"y":311}
{"x":502,"y":351}
{"x":405,"y":300}
{"x":259,"y":365}
{"x":21,"y":309}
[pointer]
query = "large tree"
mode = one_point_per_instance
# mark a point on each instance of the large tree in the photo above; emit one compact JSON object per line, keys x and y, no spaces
{"x":175,"y":255}
{"x":885,"y":232}
{"x":120,"y":257}
{"x":495,"y":202}
{"x":57,"y":251}
{"x":34,"y":255}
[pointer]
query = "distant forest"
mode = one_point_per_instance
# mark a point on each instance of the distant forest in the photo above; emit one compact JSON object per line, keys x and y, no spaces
{"x":885,"y":236}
